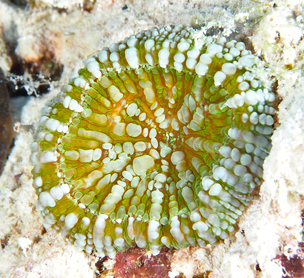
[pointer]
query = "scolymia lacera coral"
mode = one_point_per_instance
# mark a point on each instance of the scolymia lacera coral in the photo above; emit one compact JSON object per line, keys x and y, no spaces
{"x":159,"y":140}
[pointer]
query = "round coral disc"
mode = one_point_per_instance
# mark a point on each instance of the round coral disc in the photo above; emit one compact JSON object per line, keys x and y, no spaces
{"x":159,"y":140}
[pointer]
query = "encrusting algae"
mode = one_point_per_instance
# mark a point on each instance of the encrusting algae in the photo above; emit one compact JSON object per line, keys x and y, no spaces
{"x":159,"y":140}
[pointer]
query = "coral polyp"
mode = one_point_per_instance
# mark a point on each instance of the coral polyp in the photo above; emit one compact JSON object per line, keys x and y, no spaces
{"x":159,"y":140}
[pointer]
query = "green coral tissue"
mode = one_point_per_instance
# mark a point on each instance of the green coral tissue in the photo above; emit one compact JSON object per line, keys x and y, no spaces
{"x":158,"y":141}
